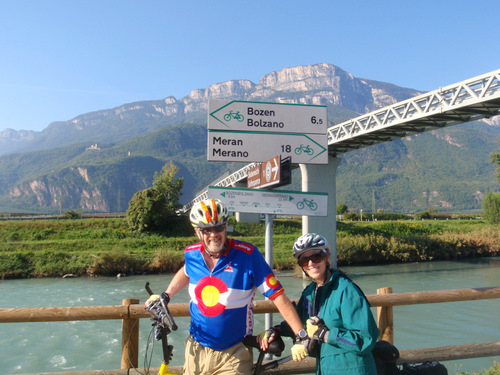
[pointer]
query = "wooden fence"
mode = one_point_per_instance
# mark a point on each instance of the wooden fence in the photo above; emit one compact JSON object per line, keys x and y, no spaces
{"x":131,"y":311}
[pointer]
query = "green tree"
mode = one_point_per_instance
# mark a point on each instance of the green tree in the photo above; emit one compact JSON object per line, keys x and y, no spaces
{"x":150,"y":209}
{"x":166,"y":184}
{"x":341,"y":209}
{"x":491,"y":207}
{"x":72,"y":214}
{"x":427,"y":214}
{"x":495,"y":158}
{"x":491,"y":201}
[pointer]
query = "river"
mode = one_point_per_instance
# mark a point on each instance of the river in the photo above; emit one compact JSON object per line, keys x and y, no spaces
{"x":91,"y":345}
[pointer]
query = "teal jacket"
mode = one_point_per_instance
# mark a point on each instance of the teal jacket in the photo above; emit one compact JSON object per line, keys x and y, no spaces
{"x":353,"y":331}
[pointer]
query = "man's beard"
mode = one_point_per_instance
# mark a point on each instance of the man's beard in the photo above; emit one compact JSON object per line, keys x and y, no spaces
{"x":214,"y":247}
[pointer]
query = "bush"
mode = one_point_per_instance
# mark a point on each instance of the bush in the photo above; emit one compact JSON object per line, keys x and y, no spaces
{"x":426,"y":215}
{"x":491,"y":207}
{"x":72,"y":215}
{"x":147,"y":211}
{"x":116,"y":262}
{"x":342,"y":209}
{"x":351,"y":216}
{"x":17,"y":265}
{"x":166,"y":260}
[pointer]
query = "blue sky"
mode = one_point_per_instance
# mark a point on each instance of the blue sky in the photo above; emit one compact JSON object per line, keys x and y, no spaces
{"x":60,"y":59}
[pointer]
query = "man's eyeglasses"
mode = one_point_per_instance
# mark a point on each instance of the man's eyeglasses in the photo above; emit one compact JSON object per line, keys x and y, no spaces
{"x":216,"y":229}
{"x":316,"y":258}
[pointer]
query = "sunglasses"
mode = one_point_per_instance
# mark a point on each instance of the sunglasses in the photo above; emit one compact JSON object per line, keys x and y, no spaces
{"x":216,"y":229}
{"x":316,"y":258}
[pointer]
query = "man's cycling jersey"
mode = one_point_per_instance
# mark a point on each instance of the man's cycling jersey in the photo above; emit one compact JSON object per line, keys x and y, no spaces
{"x":221,"y":300}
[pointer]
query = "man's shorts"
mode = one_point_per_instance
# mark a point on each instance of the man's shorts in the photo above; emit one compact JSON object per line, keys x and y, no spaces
{"x":200,"y":360}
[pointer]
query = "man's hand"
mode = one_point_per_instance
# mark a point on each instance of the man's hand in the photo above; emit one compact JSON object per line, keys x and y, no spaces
{"x":264,"y":338}
{"x":152,"y":298}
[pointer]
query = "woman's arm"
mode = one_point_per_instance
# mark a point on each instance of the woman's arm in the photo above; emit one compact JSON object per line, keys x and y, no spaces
{"x":359,"y":330}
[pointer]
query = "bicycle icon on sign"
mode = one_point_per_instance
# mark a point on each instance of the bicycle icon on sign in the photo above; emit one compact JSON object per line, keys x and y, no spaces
{"x":313,"y":206}
{"x":235,"y":115}
{"x":306,"y":149}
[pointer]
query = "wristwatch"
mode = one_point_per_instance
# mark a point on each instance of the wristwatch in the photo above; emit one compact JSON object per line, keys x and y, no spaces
{"x":302,"y":334}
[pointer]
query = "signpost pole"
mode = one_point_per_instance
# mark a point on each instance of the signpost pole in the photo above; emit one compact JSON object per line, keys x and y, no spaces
{"x":269,"y":260}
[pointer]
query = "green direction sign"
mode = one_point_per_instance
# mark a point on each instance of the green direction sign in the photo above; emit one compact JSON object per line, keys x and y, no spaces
{"x":262,"y":146}
{"x":271,"y":201}
{"x":269,"y":117}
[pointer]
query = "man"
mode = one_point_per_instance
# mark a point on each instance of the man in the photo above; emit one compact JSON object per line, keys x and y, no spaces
{"x":222,"y":275}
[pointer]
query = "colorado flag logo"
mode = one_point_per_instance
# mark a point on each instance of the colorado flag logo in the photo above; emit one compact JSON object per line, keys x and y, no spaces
{"x":211,"y":295}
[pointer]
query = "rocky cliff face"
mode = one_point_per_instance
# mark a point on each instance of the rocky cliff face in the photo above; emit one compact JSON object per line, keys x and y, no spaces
{"x":61,"y":190}
{"x":84,"y":188}
{"x":320,"y":84}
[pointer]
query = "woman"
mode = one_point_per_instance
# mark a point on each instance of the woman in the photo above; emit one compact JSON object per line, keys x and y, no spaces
{"x":337,"y":314}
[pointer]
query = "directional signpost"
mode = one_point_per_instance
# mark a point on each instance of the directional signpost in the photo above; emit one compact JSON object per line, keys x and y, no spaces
{"x":271,"y":201}
{"x":257,"y":131}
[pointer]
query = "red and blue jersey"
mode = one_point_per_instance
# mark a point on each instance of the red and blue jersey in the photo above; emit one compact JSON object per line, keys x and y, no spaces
{"x":222,"y":300}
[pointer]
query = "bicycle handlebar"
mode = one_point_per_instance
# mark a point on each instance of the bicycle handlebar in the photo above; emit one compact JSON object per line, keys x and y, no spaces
{"x":276,"y":347}
{"x":162,"y":315}
{"x":163,"y":323}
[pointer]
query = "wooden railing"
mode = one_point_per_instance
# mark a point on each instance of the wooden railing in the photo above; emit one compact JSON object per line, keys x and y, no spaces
{"x":131,"y":311}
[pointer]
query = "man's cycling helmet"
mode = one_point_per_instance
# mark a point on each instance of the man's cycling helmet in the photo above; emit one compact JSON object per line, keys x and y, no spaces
{"x":208,"y":213}
{"x":308,"y":242}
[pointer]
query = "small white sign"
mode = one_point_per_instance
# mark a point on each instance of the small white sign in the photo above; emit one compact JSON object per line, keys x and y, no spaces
{"x":278,"y":202}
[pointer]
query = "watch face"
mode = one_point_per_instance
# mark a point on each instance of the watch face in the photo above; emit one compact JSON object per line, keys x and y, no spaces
{"x":302,"y":334}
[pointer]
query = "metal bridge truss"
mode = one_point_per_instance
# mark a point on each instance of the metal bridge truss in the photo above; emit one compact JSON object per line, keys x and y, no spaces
{"x":238,"y":176}
{"x":470,"y":100}
{"x":466,"y":101}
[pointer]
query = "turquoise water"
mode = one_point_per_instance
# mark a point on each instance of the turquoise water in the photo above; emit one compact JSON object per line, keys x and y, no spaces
{"x":91,"y":345}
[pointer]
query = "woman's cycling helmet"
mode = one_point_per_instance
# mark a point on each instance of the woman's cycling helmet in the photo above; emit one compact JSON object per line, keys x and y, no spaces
{"x":208,"y":213}
{"x":308,"y":242}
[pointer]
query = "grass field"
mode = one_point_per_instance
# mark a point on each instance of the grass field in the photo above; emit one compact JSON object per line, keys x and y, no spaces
{"x":54,"y":248}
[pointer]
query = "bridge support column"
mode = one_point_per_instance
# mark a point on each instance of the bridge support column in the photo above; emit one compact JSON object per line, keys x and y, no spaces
{"x":320,"y":178}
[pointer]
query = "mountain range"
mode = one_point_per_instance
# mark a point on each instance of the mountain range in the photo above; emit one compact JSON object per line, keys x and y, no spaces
{"x":97,"y":161}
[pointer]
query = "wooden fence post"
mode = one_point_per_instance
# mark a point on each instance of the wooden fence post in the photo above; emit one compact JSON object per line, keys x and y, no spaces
{"x":385,"y":319}
{"x":130,"y":338}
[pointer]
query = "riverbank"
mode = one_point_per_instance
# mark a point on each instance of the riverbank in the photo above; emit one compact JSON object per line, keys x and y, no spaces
{"x":106,"y":247}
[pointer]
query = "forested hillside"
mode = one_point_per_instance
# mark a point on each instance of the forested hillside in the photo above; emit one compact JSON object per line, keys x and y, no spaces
{"x":97,"y":161}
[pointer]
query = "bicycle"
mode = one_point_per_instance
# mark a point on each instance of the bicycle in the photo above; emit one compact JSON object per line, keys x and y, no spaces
{"x":384,"y":353}
{"x":163,"y":324}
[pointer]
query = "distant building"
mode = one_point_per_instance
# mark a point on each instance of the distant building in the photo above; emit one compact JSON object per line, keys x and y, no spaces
{"x":93,"y":147}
